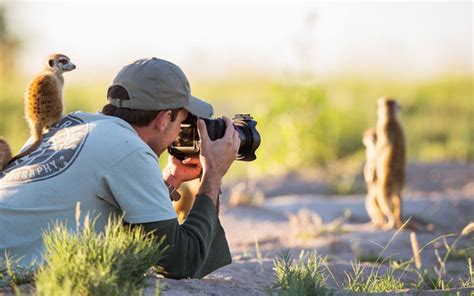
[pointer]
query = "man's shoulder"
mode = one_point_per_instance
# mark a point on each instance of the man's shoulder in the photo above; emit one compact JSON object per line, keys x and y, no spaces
{"x":96,"y":117}
{"x":112,"y":133}
{"x":99,"y":121}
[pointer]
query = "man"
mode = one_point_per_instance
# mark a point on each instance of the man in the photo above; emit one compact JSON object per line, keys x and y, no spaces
{"x":108,"y":163}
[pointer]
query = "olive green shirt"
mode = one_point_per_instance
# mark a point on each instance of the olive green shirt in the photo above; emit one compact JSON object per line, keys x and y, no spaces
{"x":197,"y":247}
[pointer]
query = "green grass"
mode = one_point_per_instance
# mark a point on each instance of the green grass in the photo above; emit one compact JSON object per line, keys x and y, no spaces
{"x":375,"y":282}
{"x":306,"y":124}
{"x":469,"y":280}
{"x":91,"y":263}
{"x":309,"y":275}
{"x":12,"y":273}
{"x":305,"y":277}
{"x":437,"y":278}
{"x":373,"y":258}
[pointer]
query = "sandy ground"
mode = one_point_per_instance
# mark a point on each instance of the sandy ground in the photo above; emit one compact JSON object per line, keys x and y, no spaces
{"x":269,"y":225}
{"x":439,"y":197}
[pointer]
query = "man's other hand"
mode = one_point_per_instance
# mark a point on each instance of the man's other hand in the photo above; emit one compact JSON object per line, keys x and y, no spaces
{"x":178,"y":171}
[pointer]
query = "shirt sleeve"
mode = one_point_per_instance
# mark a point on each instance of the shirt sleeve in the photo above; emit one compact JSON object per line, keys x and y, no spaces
{"x":197,"y":247}
{"x":136,"y":184}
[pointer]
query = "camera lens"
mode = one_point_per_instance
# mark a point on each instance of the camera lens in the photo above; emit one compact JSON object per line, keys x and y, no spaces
{"x":248,"y":134}
{"x":187,"y":142}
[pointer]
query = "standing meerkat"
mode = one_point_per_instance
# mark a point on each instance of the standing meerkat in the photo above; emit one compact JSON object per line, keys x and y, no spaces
{"x":369,"y":140}
{"x":390,"y":159}
{"x":5,"y":153}
{"x":44,"y":99}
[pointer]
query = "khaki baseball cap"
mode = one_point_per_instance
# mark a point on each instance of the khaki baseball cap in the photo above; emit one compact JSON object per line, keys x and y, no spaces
{"x":156,"y":84}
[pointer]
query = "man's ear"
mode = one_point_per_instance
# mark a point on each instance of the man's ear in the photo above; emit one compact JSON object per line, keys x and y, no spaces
{"x":162,"y":119}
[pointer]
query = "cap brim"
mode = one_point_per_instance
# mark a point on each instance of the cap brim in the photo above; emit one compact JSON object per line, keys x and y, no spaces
{"x":199,"y":108}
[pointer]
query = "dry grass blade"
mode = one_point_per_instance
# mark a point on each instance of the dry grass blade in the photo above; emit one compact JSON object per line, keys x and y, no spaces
{"x":468,"y":229}
{"x":78,"y":214}
{"x":416,"y":250}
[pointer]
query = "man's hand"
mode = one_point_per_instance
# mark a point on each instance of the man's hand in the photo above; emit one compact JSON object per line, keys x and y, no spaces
{"x":178,"y":171}
{"x":216,"y":157}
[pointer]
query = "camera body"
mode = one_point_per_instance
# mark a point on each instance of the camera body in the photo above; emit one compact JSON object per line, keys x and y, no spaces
{"x":187,"y":143}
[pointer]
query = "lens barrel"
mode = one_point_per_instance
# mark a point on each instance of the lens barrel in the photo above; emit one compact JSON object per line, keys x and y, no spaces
{"x":186,"y":144}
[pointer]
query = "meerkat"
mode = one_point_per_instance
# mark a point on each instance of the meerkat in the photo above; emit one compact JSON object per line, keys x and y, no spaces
{"x":390,"y":159}
{"x":5,"y":153}
{"x":44,"y":99}
{"x":188,"y":193}
{"x":369,"y":140}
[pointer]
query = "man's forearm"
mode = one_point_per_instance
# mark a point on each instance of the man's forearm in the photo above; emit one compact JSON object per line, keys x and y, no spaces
{"x":210,"y":186}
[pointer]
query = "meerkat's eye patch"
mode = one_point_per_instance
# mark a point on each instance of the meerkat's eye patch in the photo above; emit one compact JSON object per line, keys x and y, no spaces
{"x":63,"y":61}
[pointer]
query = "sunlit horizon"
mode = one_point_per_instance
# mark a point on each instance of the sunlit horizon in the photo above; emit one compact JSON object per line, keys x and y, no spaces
{"x":398,"y":39}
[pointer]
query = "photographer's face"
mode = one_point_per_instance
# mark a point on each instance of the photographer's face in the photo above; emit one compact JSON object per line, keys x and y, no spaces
{"x":163,"y":131}
{"x":174,"y":126}
{"x":169,"y":132}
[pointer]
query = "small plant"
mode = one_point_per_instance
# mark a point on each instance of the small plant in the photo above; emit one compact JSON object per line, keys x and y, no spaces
{"x":91,"y":263}
{"x":12,"y":273}
{"x":356,"y":281}
{"x":434,"y":282}
{"x":258,"y":254}
{"x":437,"y":279}
{"x":440,"y":282}
{"x":469,"y":282}
{"x":305,"y":277}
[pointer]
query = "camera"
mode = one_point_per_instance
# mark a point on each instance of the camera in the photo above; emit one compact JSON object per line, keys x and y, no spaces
{"x":187,"y":142}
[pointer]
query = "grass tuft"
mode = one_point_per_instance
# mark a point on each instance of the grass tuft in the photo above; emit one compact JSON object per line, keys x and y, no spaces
{"x":469,"y":282}
{"x":91,"y":263}
{"x":305,"y":277}
{"x":375,"y":282}
{"x":12,"y":273}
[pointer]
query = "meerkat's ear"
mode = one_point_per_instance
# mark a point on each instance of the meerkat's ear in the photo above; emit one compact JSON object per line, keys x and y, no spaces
{"x":51,"y":62}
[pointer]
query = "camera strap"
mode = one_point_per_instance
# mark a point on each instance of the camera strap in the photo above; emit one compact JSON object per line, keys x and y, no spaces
{"x":173,"y":191}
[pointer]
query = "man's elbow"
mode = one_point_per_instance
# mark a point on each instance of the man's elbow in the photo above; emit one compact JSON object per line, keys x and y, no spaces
{"x":178,"y":273}
{"x":180,"y":266}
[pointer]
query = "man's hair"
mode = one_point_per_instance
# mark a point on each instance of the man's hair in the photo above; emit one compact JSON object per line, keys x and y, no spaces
{"x":132,"y":116}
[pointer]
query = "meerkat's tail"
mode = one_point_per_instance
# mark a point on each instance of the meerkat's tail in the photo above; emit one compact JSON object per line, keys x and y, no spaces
{"x":37,"y":135}
{"x":5,"y":153}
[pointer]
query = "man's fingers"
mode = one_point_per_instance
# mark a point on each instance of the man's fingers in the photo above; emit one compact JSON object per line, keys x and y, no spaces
{"x":191,"y":160}
{"x":236,"y":141}
{"x":202,"y":130}
{"x":229,"y":130}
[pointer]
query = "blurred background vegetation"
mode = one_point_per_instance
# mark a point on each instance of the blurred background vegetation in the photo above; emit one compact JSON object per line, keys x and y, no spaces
{"x":306,"y":122}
